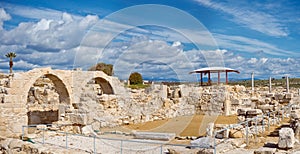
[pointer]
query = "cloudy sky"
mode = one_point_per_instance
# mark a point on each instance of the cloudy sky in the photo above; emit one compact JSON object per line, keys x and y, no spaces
{"x":161,"y":39}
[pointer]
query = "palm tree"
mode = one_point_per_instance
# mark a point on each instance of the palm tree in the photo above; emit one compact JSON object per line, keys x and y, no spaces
{"x":11,"y":55}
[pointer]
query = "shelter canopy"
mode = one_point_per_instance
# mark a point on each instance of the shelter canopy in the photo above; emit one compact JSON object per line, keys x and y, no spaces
{"x":208,"y":70}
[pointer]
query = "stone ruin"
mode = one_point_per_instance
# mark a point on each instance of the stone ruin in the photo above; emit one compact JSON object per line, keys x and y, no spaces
{"x":73,"y":100}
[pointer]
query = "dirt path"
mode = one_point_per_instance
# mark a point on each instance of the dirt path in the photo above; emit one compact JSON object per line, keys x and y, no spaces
{"x":182,"y":126}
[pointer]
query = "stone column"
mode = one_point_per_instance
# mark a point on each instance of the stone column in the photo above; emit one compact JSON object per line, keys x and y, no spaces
{"x":227,"y":107}
{"x":210,"y":129}
{"x":270,"y":84}
{"x":287,"y":84}
{"x":252,"y":80}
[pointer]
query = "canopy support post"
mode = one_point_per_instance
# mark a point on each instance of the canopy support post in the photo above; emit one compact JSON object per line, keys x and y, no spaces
{"x":201,"y":79}
{"x":218,"y":77}
{"x":209,"y":78}
{"x":226,"y":77}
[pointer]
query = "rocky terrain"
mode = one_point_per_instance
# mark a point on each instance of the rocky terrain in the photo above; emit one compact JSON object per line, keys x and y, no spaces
{"x":91,"y":109}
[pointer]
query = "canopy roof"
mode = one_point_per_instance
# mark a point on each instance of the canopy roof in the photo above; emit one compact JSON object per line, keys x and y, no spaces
{"x":214,"y":70}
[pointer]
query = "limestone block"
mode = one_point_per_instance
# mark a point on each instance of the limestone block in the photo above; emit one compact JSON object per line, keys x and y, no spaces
{"x":279,"y":96}
{"x":204,"y":142}
{"x":274,"y":102}
{"x":210,"y":129}
{"x":15,"y":126}
{"x":88,"y":130}
{"x":241,"y":111}
{"x":154,"y":136}
{"x":26,"y":137}
{"x":241,"y":118}
{"x":268,"y":100}
{"x":237,"y":142}
{"x":235,"y":133}
{"x":288,"y":96}
{"x":253,"y":112}
{"x":223,"y":134}
{"x":78,"y":118}
{"x":15,"y":144}
{"x":235,"y":102}
{"x":96,"y":125}
{"x":295,"y":114}
{"x":41,"y":127}
{"x":286,"y":138}
{"x":270,"y":95}
{"x":266,"y":107}
{"x":265,"y":150}
{"x":13,"y":98}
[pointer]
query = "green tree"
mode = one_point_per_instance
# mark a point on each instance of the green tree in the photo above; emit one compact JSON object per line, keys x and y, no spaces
{"x":11,"y":55}
{"x":135,"y":78}
{"x":106,"y":68}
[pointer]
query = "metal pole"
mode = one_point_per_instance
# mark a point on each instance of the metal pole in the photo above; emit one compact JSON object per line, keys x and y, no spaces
{"x":94,"y":144}
{"x":121,"y":147}
{"x":43,"y":136}
{"x":269,"y":121}
{"x":22,"y":133}
{"x":161,"y":149}
{"x":215,"y":145}
{"x":66,"y":140}
{"x":247,"y":141}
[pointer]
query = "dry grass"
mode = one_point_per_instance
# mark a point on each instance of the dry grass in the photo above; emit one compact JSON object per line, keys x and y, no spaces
{"x":196,"y":126}
{"x":148,"y":125}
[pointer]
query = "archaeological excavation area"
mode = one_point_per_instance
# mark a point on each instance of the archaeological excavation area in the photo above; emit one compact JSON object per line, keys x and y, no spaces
{"x":44,"y":107}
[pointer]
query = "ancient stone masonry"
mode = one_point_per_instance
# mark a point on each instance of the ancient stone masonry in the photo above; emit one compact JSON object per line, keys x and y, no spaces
{"x":44,"y":96}
{"x":85,"y":98}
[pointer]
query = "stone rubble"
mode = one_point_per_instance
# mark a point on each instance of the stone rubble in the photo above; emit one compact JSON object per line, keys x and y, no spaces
{"x":84,"y":102}
{"x":286,"y":138}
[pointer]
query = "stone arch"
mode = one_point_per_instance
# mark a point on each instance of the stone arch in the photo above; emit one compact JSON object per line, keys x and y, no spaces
{"x":48,"y":113}
{"x":105,"y":85}
{"x":60,"y":86}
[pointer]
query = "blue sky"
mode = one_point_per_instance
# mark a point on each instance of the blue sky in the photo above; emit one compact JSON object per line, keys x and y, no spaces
{"x":163,"y":41}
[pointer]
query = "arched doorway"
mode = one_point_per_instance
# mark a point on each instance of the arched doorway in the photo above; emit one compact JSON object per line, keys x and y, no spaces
{"x":105,"y":86}
{"x":46,"y":99}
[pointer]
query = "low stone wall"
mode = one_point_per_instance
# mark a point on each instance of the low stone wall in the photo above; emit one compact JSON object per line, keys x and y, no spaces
{"x":89,"y":106}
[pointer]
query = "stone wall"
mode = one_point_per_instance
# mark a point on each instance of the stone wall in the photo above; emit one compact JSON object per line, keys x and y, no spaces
{"x":22,"y":93}
{"x":87,"y":104}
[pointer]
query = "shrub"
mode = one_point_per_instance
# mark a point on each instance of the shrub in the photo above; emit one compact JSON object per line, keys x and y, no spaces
{"x":106,"y":68}
{"x":135,"y":78}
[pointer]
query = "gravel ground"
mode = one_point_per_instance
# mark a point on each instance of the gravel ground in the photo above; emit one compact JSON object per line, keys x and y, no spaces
{"x":107,"y":145}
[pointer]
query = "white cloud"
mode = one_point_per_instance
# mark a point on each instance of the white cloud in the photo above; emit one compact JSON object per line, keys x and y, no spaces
{"x":33,"y":13}
{"x":163,"y":58}
{"x":255,"y":20}
{"x":57,"y":42}
{"x":50,"y":35}
{"x":252,"y":60}
{"x":262,"y":67}
{"x":250,"y":45}
{"x":3,"y":17}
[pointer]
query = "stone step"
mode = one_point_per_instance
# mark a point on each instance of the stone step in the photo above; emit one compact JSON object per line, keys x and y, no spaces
{"x":154,"y":136}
